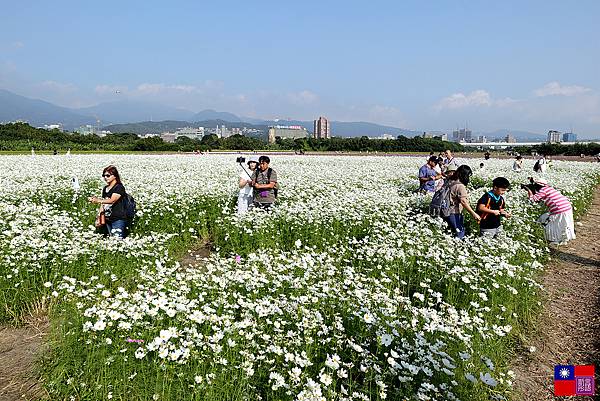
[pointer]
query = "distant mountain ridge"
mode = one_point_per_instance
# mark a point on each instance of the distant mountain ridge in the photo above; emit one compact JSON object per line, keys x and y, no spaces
{"x":121,"y":116}
{"x":38,"y":112}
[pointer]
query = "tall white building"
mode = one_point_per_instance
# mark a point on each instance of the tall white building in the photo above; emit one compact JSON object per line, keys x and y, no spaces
{"x":554,"y":136}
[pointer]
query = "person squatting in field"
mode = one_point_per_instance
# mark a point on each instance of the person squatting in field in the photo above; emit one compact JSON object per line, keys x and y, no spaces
{"x":111,"y":203}
{"x":559,"y":226}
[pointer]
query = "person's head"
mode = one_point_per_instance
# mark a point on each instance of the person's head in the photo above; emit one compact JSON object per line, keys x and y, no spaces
{"x":110,"y":174}
{"x":263,"y":162}
{"x":432,"y":161}
{"x":463,"y":174}
{"x":448,"y":154}
{"x":430,"y":153}
{"x":481,"y":165}
{"x":519,"y":157}
{"x":450,"y":171}
{"x":500,"y":185}
{"x":253,"y":163}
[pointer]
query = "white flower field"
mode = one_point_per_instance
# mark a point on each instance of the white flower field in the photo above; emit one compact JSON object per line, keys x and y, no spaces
{"x":348,"y":290}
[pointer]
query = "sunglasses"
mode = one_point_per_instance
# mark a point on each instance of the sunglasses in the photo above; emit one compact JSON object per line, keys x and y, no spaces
{"x":106,"y":175}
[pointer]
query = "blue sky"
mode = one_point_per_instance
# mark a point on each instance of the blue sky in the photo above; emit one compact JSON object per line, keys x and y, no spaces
{"x":413,"y":64}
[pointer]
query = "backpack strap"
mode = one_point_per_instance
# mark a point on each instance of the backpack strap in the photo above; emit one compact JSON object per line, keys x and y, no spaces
{"x":269,"y":170}
{"x":484,"y":215}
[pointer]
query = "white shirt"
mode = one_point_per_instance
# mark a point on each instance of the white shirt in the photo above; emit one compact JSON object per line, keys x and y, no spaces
{"x":246,"y":190}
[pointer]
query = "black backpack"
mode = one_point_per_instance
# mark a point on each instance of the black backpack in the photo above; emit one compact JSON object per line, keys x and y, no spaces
{"x":130,"y":206}
{"x":536,"y":166}
{"x":440,"y":203}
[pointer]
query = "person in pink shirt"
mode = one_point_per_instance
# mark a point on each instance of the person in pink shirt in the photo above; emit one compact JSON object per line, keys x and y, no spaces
{"x":558,"y":221}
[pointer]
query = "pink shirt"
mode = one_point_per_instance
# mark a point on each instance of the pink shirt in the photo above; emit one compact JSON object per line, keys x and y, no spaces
{"x":556,"y":202}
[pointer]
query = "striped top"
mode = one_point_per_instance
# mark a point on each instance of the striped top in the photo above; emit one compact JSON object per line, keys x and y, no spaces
{"x":556,"y":202}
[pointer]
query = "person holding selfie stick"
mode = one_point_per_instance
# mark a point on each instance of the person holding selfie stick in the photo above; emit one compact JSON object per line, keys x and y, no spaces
{"x":245,"y":197}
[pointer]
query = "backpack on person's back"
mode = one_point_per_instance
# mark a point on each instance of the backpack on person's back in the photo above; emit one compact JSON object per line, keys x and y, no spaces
{"x":130,"y":206}
{"x":536,"y":167}
{"x":440,"y":203}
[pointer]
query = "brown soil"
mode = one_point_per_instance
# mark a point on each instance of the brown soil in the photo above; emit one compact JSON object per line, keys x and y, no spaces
{"x":19,"y":350}
{"x":194,"y":256}
{"x":568,"y":330}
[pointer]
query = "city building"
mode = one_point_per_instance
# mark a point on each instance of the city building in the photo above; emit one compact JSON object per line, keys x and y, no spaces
{"x":554,"y":136}
{"x":168,"y":137}
{"x":569,"y":137}
{"x":462,"y":135}
{"x":441,"y":137}
{"x":192,"y":133}
{"x":387,"y":137}
{"x":427,"y":135}
{"x":322,"y":129}
{"x":286,"y":132}
{"x":52,"y":126}
{"x":510,"y":138}
{"x":86,"y":130}
{"x":481,"y":139}
{"x":222,"y":132}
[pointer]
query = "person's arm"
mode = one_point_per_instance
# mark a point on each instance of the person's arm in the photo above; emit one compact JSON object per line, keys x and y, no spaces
{"x":465,"y":202}
{"x":243,"y":182}
{"x":270,"y":185}
{"x":481,"y":208}
{"x":106,"y":201}
{"x":423,"y":176}
{"x":541,"y":194}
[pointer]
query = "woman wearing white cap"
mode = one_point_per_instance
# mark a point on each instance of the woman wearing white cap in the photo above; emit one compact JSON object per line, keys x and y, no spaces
{"x":558,"y":222}
{"x":245,"y":196}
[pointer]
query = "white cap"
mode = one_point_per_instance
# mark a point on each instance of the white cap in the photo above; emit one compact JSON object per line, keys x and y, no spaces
{"x":253,"y":159}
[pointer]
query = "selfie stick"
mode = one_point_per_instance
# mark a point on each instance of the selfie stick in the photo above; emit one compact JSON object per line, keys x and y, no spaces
{"x":247,"y":173}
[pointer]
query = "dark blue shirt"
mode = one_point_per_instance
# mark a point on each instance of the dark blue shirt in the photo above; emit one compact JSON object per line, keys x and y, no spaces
{"x":427,"y":171}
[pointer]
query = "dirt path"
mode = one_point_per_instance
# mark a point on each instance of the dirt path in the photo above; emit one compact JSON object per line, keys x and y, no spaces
{"x":19,"y":350}
{"x":569,"y":327}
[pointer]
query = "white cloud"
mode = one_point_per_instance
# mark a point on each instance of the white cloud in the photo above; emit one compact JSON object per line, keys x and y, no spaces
{"x":387,"y":115}
{"x":110,"y":89}
{"x":554,"y":88}
{"x":460,"y":100}
{"x":59,"y":87}
{"x":303,"y":98}
{"x":18,"y":44}
{"x":148,"y":88}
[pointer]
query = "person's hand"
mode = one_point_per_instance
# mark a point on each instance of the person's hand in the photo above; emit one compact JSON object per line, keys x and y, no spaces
{"x":93,"y":199}
{"x":476,"y":217}
{"x":497,"y":212}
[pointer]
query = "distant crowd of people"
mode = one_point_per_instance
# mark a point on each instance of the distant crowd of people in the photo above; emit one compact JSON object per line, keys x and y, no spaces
{"x":446,"y":180}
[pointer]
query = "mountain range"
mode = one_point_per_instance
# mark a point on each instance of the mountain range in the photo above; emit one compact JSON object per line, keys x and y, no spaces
{"x":120,"y":116}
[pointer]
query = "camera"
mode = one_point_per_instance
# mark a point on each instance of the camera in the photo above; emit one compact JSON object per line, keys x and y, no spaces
{"x":240,"y":160}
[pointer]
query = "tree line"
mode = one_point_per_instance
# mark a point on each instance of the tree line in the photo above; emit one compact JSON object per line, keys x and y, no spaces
{"x":23,"y":137}
{"x":577,"y":149}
